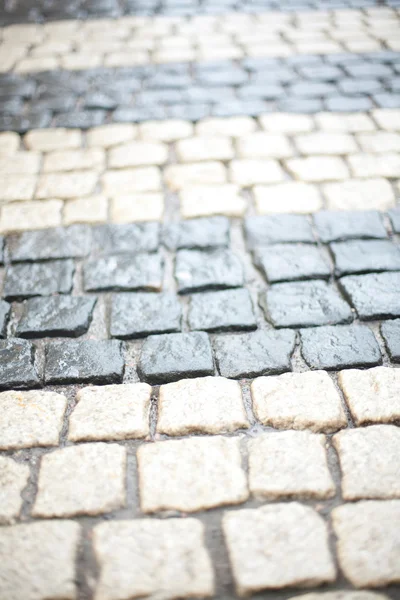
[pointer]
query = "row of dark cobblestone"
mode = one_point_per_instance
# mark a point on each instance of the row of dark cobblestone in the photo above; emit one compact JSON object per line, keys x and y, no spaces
{"x":301,"y":83}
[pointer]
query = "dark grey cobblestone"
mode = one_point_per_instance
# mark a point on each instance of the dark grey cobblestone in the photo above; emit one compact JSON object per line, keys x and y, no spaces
{"x":335,"y":226}
{"x":361,"y":256}
{"x":196,"y":271}
{"x":390,"y":331}
{"x":47,"y":244}
{"x":4,"y":316}
{"x":38,"y":279}
{"x":124,"y":273}
{"x":197,"y":233}
{"x":17,"y":360}
{"x":229,"y":310}
{"x":276,"y":229}
{"x":291,"y":262}
{"x":374,"y":296}
{"x":129,"y":238}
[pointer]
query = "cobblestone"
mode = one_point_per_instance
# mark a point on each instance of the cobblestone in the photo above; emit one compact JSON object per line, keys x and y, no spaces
{"x":298,"y":547}
{"x":374,"y":194}
{"x":139,"y":315}
{"x":394,"y":216}
{"x":337,"y":226}
{"x":288,"y":197}
{"x":191,"y":475}
{"x":197,"y":271}
{"x":363,"y":256}
{"x":201,"y":233}
{"x":291,"y":262}
{"x":46,"y":244}
{"x":14,"y":477}
{"x":40,"y":279}
{"x":124,"y":273}
{"x":4,"y":316}
{"x":22,"y":216}
{"x":87,"y":479}
{"x":123,"y":239}
{"x":17,"y":358}
{"x":390,"y":331}
{"x":202,"y":201}
{"x":228,"y":310}
{"x":374,"y":295}
{"x":274,"y":229}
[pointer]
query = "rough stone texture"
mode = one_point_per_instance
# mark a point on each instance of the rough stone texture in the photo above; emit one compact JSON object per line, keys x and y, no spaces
{"x":276,"y":229}
{"x":369,"y":462}
{"x":201,"y":233}
{"x":40,"y":279}
{"x":368,"y":544}
{"x":111,"y":412}
{"x":291,"y":262}
{"x":30,"y":419}
{"x":277,"y":546}
{"x":289,"y":464}
{"x":361,"y":256}
{"x":203,"y":405}
{"x":255,"y":353}
{"x":337,"y":226}
{"x":124,"y":272}
{"x":21,"y":216}
{"x":53,"y":139}
{"x":13,"y":478}
{"x":368,"y":194}
{"x":139,"y":315}
{"x":394,"y":216}
{"x":165,"y":358}
{"x":56,"y":316}
{"x":196,"y":271}
{"x":4,"y":315}
{"x":153,"y":557}
{"x":89,"y":361}
{"x":340,"y":347}
{"x":126,"y":238}
{"x":228,"y":310}
{"x":81,"y":480}
{"x":375,"y":295}
{"x":92,"y":209}
{"x":66,"y":185}
{"x":17,"y":360}
{"x":390,"y":331}
{"x":47,"y":552}
{"x":373,"y":396}
{"x":58,"y":242}
{"x":191,"y":474}
{"x":304,"y":304}
{"x":298,"y":401}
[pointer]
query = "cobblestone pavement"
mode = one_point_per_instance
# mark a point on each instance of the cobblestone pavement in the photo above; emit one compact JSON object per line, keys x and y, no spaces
{"x":200,"y":308}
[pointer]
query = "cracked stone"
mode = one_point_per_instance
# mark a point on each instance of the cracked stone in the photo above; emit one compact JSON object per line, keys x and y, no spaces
{"x":291,"y":262}
{"x":304,"y":304}
{"x":390,"y":331}
{"x":228,"y":310}
{"x":374,"y":296}
{"x":361,"y":256}
{"x":255,"y":353}
{"x":201,"y":233}
{"x":58,"y":242}
{"x":56,"y":316}
{"x":13,"y":478}
{"x":171,"y":357}
{"x":89,"y":361}
{"x":38,"y":279}
{"x":340,"y":347}
{"x":126,"y":238}
{"x":196,"y":271}
{"x":337,"y":226}
{"x":124,"y":272}
{"x":17,"y":360}
{"x":275,"y":229}
{"x":4,"y":316}
{"x":139,"y":315}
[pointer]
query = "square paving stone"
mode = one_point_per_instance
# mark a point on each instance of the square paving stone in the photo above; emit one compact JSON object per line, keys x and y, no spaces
{"x":126,"y":238}
{"x":340,"y":347}
{"x":165,"y":358}
{"x":275,"y":229}
{"x":139,"y":315}
{"x":14,"y":477}
{"x":374,"y":296}
{"x":390,"y":331}
{"x":38,"y":279}
{"x":197,"y":233}
{"x":123,"y":273}
{"x":17,"y":365}
{"x":196,"y":271}
{"x":304,"y":304}
{"x":255,"y":353}
{"x":68,"y":316}
{"x":89,"y":361}
{"x":228,"y":310}
{"x":394,"y":216}
{"x":46,"y":244}
{"x":4,"y":316}
{"x":291,"y":262}
{"x":360,"y":256}
{"x":341,"y":225}
{"x":276,"y":546}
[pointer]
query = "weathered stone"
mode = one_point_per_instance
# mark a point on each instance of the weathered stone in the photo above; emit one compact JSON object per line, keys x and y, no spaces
{"x":374,"y":296}
{"x":106,"y":136}
{"x":368,"y":543}
{"x":298,"y":401}
{"x":369,"y":462}
{"x":304,"y":304}
{"x":277,"y":546}
{"x":56,"y":316}
{"x":66,"y":185}
{"x":390,"y":331}
{"x":13,"y":478}
{"x":373,"y":396}
{"x":71,"y":160}
{"x":17,"y":187}
{"x":205,"y":200}
{"x":124,"y":272}
{"x":255,"y":353}
{"x":361,"y":256}
{"x":203,"y":405}
{"x":30,"y":419}
{"x":249,"y":172}
{"x":137,"y":207}
{"x":354,"y":194}
{"x":291,"y":262}
{"x":206,"y":148}
{"x":264,"y":145}
{"x":200,"y":233}
{"x":45,"y":244}
{"x":287,"y":197}
{"x":39,"y":279}
{"x":318,"y":168}
{"x":126,"y":238}
{"x":394,"y":216}
{"x":191,"y":474}
{"x":87,"y":479}
{"x":17,"y":361}
{"x":139,"y":315}
{"x":276,"y":229}
{"x":165,"y":358}
{"x":23,"y":216}
{"x":154,"y":557}
{"x":48,"y":552}
{"x":92,"y":209}
{"x":340,"y":347}
{"x":337,"y":226}
{"x":196,"y":271}
{"x":90,"y":361}
{"x":9,"y":143}
{"x":136,"y":154}
{"x":210,"y":173}
{"x":289,"y":464}
{"x":228,"y":310}
{"x":131,"y":181}
{"x":4,"y":315}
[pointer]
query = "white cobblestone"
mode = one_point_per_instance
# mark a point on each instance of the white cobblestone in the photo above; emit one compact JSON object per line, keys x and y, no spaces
{"x":368,"y":194}
{"x":9,"y":143}
{"x":388,"y":119}
{"x":126,"y":181}
{"x":106,"y":136}
{"x":290,"y":197}
{"x":325,"y":143}
{"x":137,"y":207}
{"x":341,"y":595}
{"x":264,"y":145}
{"x":318,"y":168}
{"x":13,"y":478}
{"x":17,"y":187}
{"x":231,"y":127}
{"x":71,"y":160}
{"x":92,"y":209}
{"x":22,"y":163}
{"x":45,"y":140}
{"x":205,"y":148}
{"x":248,"y":172}
{"x":375,"y":165}
{"x":66,"y":185}
{"x":201,"y":201}
{"x":22,"y":216}
{"x":165,"y":131}
{"x":137,"y":154}
{"x":286,"y":123}
{"x":379,"y":141}
{"x":351,"y":122}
